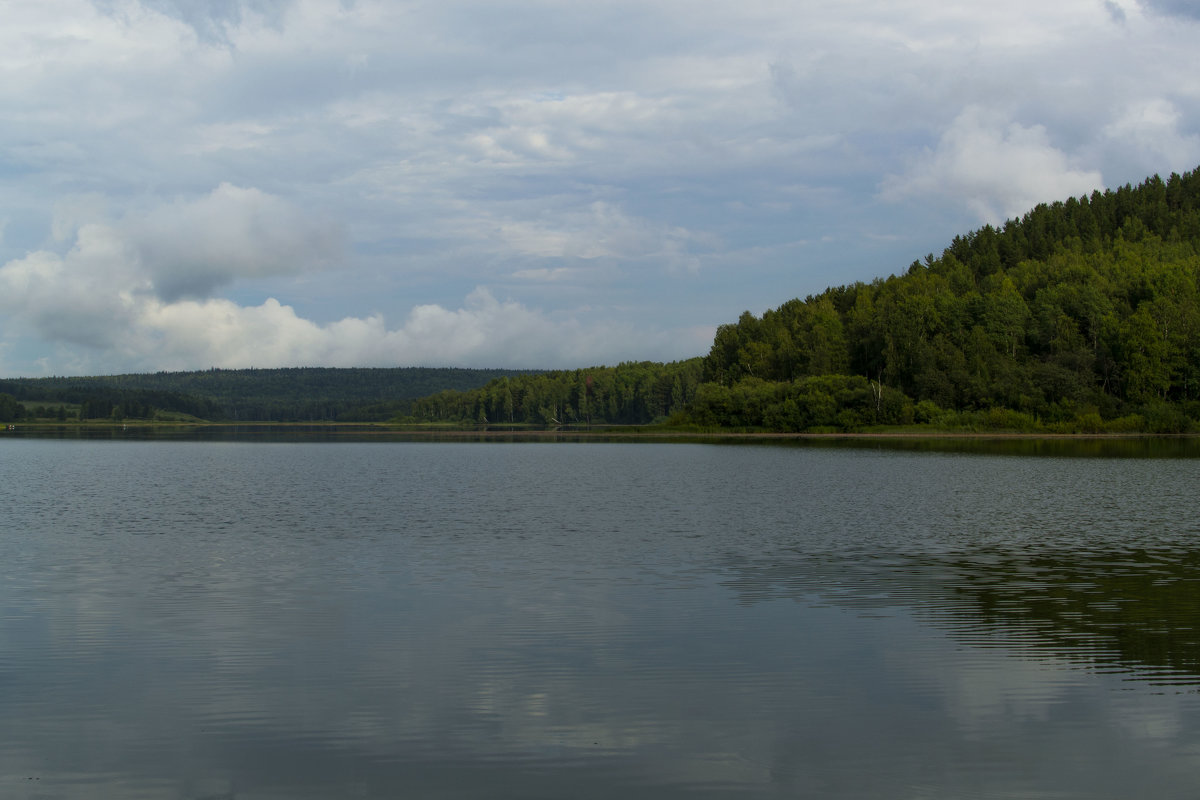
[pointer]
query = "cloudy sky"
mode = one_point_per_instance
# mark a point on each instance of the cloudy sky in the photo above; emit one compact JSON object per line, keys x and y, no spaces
{"x":196,"y":183}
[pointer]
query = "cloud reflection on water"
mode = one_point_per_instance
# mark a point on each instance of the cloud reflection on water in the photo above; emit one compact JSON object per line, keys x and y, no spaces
{"x":530,"y":620}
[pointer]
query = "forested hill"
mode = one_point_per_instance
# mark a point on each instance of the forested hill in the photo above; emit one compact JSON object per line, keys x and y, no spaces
{"x":248,"y":395}
{"x":1082,"y":315}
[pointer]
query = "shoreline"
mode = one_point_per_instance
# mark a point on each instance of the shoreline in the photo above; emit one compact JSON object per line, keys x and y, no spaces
{"x":608,"y":432}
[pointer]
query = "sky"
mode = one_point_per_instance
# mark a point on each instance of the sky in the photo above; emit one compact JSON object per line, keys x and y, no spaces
{"x":542,"y":184}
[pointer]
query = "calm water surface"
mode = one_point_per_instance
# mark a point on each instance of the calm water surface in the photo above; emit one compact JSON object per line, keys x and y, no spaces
{"x":311,"y":620}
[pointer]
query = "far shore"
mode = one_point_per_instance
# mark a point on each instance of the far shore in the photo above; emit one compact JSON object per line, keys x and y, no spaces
{"x":595,"y":432}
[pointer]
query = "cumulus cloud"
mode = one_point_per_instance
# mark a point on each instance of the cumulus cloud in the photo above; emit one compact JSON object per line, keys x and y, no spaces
{"x":998,"y":167}
{"x":483,"y":330}
{"x":579,"y":154}
{"x":97,"y":297}
{"x":187,"y":247}
{"x":190,"y":247}
{"x":85,"y":297}
{"x":1149,"y":132}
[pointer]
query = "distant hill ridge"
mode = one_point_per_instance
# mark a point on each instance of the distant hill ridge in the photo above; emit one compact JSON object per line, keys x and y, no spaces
{"x":286,"y":394}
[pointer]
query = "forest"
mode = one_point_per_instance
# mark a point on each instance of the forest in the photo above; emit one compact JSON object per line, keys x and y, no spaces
{"x":1080,"y":316}
{"x":303,"y":394}
{"x":632,"y":393}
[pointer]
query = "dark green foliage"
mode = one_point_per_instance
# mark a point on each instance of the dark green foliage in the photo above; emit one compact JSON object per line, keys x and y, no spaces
{"x":1088,"y":307}
{"x":1146,"y":597}
{"x":251,"y":395}
{"x":1080,"y":316}
{"x":10,"y":409}
{"x":630,"y":393}
{"x":822,"y":401}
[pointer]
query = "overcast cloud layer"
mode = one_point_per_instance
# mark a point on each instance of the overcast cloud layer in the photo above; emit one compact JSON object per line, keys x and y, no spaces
{"x":189,"y":184}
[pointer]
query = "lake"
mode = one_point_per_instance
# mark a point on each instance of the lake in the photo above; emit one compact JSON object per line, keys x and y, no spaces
{"x":377,"y":619}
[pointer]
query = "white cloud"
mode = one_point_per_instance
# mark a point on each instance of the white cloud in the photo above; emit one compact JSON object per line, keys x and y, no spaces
{"x":999,"y":168}
{"x":557,"y":148}
{"x":74,"y":212}
{"x":484,"y":330}
{"x":95,"y":297}
{"x":604,"y":230}
{"x":190,"y":247}
{"x":187,"y":247}
{"x":85,"y":297}
{"x":1148,"y":131}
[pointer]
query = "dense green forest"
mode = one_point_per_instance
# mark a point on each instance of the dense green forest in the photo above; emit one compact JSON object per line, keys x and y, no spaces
{"x":242,"y":395}
{"x":629,"y":393}
{"x":1082,"y":315}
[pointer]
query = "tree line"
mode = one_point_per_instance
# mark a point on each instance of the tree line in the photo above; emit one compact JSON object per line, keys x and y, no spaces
{"x":303,"y":394}
{"x":1082,"y":315}
{"x":629,"y":393}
